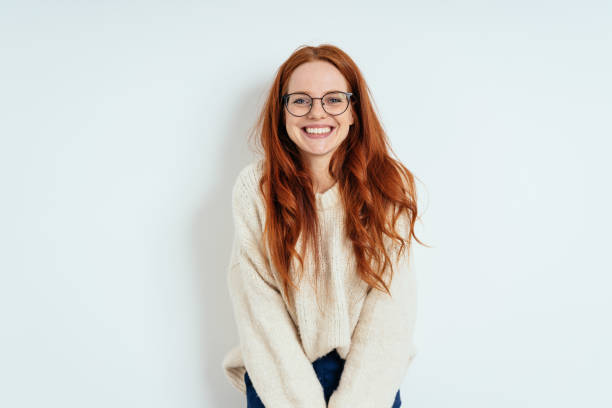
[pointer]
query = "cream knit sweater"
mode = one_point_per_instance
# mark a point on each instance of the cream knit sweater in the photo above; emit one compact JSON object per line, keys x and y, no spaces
{"x":370,"y":330}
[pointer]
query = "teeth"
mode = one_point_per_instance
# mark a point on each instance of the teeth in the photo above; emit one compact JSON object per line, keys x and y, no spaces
{"x":318,"y":130}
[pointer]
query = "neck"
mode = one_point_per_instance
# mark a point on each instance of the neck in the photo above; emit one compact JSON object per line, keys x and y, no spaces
{"x":319,"y":171}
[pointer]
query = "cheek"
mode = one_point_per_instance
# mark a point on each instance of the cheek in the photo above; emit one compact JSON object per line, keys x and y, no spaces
{"x":346,"y":122}
{"x":290,"y":124}
{"x":292,"y":130}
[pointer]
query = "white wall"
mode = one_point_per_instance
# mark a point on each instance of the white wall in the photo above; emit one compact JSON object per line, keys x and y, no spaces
{"x":123,"y":126}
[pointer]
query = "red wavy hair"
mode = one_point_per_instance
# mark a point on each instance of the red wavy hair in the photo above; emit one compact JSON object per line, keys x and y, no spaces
{"x":371,"y":183}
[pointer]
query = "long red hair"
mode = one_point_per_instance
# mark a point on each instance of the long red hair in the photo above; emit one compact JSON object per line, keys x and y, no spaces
{"x":371,"y":183}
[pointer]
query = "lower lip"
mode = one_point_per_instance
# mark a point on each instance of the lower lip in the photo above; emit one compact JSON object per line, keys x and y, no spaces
{"x":317,"y":135}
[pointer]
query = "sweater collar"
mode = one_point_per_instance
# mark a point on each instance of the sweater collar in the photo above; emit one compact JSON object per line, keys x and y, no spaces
{"x":329,"y":198}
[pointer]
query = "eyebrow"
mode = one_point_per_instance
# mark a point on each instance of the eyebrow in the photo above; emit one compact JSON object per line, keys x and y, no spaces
{"x":308,"y":93}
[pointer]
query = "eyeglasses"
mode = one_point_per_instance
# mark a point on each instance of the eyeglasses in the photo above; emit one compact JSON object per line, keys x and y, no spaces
{"x":334,"y":103}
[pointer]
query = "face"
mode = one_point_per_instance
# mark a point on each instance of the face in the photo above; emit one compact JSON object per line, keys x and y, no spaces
{"x":316,"y":78}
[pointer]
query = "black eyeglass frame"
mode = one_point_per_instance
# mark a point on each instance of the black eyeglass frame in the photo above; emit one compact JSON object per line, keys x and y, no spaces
{"x":285,"y":101}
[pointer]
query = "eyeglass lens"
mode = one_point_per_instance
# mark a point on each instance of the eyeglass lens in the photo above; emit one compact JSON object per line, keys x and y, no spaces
{"x":333,"y":103}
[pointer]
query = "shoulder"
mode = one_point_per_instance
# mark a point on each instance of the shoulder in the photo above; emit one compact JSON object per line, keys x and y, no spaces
{"x":247,"y":200}
{"x":246,"y":184}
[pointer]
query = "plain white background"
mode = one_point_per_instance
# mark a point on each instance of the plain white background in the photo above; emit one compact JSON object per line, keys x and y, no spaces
{"x":123,"y":127}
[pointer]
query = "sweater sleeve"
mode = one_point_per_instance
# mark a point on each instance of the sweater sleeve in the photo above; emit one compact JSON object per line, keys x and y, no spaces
{"x":273,"y":355}
{"x":382,"y":345}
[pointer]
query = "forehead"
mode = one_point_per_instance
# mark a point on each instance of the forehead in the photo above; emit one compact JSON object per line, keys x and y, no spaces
{"x":316,"y":78}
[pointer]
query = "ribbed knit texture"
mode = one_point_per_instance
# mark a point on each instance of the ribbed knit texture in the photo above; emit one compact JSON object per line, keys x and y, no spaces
{"x":278,"y":343}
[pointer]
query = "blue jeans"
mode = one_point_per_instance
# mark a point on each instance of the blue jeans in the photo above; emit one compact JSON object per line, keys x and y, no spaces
{"x":328,"y":369}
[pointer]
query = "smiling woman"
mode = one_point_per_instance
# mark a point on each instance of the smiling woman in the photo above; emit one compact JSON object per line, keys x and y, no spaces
{"x":326,"y":202}
{"x":317,"y":129}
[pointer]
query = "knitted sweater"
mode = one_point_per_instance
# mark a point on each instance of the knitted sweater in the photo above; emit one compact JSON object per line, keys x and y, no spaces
{"x":278,"y":343}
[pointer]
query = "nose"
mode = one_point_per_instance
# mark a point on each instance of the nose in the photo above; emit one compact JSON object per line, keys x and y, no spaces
{"x":317,"y":109}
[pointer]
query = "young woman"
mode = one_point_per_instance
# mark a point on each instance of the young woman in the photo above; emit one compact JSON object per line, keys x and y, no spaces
{"x":320,"y":277}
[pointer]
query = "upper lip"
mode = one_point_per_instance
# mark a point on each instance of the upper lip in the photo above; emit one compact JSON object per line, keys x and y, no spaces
{"x":318,"y":126}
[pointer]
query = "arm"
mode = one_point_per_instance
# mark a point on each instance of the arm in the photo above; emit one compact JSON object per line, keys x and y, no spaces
{"x":272,"y":352}
{"x":382,"y":344}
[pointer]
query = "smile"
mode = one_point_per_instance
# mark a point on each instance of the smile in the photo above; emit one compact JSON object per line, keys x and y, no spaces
{"x":317,"y":133}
